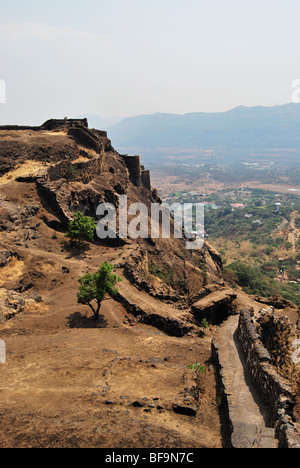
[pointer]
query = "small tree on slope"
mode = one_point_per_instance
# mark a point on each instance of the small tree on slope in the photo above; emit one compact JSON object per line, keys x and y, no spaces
{"x":81,"y":229}
{"x":94,"y":287}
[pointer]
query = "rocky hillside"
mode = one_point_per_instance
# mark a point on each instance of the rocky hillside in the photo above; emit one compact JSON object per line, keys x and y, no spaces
{"x":128,"y":380}
{"x":71,"y":168}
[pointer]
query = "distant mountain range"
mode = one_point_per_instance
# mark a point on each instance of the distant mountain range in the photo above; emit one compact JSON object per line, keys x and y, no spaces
{"x":238,"y":132}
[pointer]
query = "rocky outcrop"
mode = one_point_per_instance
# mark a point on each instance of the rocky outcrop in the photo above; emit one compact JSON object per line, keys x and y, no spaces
{"x":154,"y":316}
{"x":188,"y":399}
{"x":11,"y":304}
{"x":5,"y":257}
{"x":136,"y":269}
{"x":276,"y":301}
{"x":215,"y":307}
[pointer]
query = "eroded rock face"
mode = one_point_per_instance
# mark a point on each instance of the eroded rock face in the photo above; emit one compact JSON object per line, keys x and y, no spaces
{"x":215,"y":307}
{"x":188,"y":399}
{"x":5,"y":258}
{"x":11,"y":304}
{"x":79,"y":169}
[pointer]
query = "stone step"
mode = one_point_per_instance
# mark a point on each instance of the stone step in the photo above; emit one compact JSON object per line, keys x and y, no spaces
{"x":250,"y":436}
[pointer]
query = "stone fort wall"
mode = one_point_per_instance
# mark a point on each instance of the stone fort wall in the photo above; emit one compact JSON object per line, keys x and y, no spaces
{"x":137,"y":173}
{"x":277,"y":393}
{"x":96,"y":140}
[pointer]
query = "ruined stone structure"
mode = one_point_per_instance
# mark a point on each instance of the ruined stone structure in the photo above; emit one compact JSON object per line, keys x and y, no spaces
{"x":146,"y":179}
{"x":137,"y":173}
{"x":92,"y":139}
{"x":134,"y":168}
{"x":274,"y":389}
{"x":54,"y":124}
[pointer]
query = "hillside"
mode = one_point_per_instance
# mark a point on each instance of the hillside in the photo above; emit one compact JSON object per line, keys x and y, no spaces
{"x":144,"y":374}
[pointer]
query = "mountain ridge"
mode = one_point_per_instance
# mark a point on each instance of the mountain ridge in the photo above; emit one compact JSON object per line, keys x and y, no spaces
{"x":242,"y":128}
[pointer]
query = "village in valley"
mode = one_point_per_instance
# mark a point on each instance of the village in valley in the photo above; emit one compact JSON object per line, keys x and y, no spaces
{"x":257,"y":231}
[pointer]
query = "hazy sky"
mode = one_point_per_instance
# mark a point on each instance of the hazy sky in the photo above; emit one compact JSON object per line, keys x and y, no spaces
{"x":129,"y":57}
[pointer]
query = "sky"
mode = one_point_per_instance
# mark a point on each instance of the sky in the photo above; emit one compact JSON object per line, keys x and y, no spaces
{"x":131,"y":57}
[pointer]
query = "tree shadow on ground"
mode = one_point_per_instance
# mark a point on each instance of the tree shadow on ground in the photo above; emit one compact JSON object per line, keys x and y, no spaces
{"x":77,"y":320}
{"x":74,"y":251}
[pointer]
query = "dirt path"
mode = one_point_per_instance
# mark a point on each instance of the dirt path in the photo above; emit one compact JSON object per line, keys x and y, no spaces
{"x":281,"y":226}
{"x":294,"y":232}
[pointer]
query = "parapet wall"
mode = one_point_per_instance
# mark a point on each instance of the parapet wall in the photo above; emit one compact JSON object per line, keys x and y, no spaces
{"x":137,"y":173}
{"x":90,"y":139}
{"x":19,"y":127}
{"x":146,"y":179}
{"x":134,"y":168}
{"x":53,"y":124}
{"x":277,"y":393}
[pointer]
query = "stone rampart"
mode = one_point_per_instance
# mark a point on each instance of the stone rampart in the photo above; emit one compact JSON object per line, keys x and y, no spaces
{"x":19,"y":127}
{"x":89,"y":139}
{"x":54,"y":124}
{"x":276,"y":392}
{"x":139,"y":176}
{"x":133,"y":165}
{"x":146,"y":179}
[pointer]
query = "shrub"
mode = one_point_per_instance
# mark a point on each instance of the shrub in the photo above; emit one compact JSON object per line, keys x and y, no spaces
{"x":81,"y":229}
{"x":198,"y":367}
{"x":204,"y":323}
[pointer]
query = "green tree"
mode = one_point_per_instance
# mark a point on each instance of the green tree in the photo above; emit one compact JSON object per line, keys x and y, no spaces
{"x":81,"y":229}
{"x":94,"y":287}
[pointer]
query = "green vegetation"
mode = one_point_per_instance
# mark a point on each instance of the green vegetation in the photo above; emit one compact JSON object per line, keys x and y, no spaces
{"x":255,"y":220}
{"x":258,"y":280}
{"x":81,"y":229}
{"x":251,"y":279}
{"x":166,"y":274}
{"x":94,"y":287}
{"x":253,"y":230}
{"x":163,"y":272}
{"x":204,"y":323}
{"x":259,"y":225}
{"x":198,"y":367}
